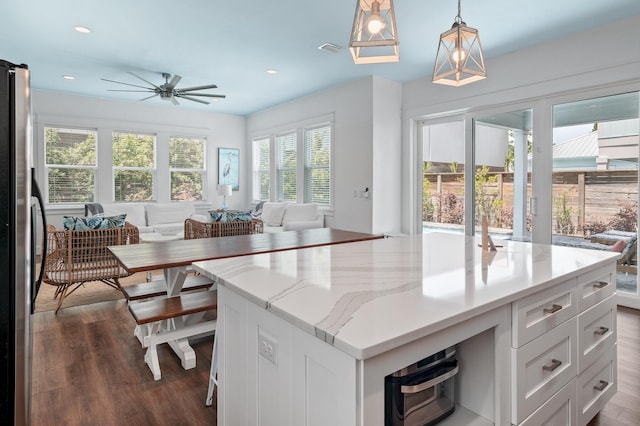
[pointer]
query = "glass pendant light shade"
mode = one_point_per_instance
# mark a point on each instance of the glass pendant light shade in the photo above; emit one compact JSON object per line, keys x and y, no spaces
{"x":459,"y":60}
{"x":374,"y":37}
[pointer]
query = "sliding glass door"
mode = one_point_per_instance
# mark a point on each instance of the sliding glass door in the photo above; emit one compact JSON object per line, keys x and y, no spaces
{"x":443,"y":158}
{"x":502,"y":173}
{"x":595,"y":180}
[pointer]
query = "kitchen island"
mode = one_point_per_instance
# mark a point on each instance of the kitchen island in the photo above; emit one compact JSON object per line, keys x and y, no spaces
{"x":308,"y":336}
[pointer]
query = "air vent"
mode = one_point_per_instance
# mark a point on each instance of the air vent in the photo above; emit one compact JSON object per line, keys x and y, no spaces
{"x":331,"y":48}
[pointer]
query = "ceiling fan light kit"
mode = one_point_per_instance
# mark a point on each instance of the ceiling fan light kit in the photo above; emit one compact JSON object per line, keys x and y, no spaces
{"x":168,"y":90}
{"x":374,"y":37}
{"x":459,"y":59}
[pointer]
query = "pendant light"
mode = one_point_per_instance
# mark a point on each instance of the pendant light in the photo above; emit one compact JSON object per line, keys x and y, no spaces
{"x":459,"y":60}
{"x":374,"y":37}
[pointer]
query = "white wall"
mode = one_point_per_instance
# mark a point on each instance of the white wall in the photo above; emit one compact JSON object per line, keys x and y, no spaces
{"x":387,"y":128}
{"x":221,"y":130}
{"x":355,"y":106}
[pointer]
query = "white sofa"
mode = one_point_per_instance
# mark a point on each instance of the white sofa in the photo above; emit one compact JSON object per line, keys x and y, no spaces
{"x":281,"y":216}
{"x":166,"y":219}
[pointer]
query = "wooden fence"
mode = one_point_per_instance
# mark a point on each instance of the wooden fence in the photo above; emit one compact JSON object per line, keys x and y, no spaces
{"x":590,"y":196}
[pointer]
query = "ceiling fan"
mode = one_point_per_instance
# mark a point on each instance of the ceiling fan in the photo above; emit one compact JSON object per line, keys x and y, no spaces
{"x":168,"y":90}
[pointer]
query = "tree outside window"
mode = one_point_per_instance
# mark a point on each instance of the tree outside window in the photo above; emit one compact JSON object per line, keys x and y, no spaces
{"x":71,"y":164}
{"x":134,"y":166}
{"x":187,"y":168}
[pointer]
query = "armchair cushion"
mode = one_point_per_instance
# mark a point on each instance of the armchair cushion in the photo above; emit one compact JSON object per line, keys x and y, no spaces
{"x":93,"y":222}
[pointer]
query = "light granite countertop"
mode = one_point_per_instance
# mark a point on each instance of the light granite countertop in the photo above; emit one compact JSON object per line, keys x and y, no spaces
{"x":369,"y":297}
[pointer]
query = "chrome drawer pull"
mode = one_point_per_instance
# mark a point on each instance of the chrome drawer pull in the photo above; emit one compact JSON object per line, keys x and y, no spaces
{"x":600,"y":284}
{"x":554,"y":308}
{"x":554,"y":364}
{"x":600,"y":331}
{"x":600,"y":387}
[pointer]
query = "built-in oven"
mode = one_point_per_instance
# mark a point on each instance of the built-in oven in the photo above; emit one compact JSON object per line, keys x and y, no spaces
{"x":422,"y":393}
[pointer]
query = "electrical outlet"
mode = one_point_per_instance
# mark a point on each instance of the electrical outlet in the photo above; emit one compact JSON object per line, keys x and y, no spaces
{"x":268,"y":348}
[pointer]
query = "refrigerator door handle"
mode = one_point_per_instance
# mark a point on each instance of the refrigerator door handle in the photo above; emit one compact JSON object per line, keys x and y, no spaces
{"x":35,"y":192}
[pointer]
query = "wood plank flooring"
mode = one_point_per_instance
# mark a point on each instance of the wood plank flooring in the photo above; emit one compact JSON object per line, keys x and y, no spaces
{"x":624,"y":407}
{"x":88,"y":369}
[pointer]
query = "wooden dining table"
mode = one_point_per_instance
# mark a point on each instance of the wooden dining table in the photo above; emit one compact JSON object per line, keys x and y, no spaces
{"x":171,"y":254}
{"x":174,"y":258}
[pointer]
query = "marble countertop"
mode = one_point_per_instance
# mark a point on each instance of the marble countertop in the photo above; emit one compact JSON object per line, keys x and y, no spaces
{"x":372,"y":296}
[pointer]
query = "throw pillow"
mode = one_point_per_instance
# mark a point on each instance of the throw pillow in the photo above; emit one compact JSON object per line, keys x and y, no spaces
{"x":218,"y":216}
{"x":618,"y":246}
{"x":93,"y":222}
{"x":238,"y":216}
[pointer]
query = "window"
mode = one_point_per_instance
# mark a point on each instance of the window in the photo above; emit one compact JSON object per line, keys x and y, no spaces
{"x":261,"y":169}
{"x":71,"y":164}
{"x":134,"y":166}
{"x":317,"y":165}
{"x":286,"y":166}
{"x":295,"y":165}
{"x":186,"y":165}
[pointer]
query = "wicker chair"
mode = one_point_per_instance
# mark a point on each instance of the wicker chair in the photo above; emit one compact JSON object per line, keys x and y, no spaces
{"x":196,"y":229}
{"x":80,"y":256}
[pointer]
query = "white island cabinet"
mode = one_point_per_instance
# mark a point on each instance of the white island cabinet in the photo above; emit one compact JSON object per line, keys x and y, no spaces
{"x":308,"y":336}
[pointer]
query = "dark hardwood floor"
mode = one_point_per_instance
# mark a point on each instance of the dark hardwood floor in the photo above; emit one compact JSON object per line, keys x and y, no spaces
{"x":88,"y":369}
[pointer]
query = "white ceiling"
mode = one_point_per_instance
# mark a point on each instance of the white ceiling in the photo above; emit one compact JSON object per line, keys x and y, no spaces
{"x":233,"y":43}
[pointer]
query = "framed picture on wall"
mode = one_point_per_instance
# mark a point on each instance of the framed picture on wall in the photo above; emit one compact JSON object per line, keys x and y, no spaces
{"x":229,"y":167}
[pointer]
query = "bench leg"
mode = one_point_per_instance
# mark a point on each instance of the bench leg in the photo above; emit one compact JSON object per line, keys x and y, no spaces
{"x":181,"y":347}
{"x":151,"y":356}
{"x":185,"y":352}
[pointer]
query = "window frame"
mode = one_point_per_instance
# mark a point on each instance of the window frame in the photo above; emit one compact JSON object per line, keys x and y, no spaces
{"x":153,"y":169}
{"x":202,"y":171}
{"x":48,"y":166}
{"x":300,"y":130}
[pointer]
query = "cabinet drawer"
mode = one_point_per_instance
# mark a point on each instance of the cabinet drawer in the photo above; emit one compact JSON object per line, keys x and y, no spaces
{"x":597,"y":385}
{"x":536,"y":314}
{"x":595,"y":286}
{"x":560,"y":410}
{"x":541,"y":368}
{"x":596,"y":332}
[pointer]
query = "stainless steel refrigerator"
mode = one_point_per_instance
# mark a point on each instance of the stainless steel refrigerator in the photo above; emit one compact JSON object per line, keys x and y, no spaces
{"x":18,"y":284}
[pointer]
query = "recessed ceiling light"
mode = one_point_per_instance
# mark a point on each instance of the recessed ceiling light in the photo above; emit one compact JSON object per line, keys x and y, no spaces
{"x":272,"y":71}
{"x":68,"y":77}
{"x":82,"y":29}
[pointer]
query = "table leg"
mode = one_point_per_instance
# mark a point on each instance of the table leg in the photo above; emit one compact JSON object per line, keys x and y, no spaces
{"x":174,"y":278}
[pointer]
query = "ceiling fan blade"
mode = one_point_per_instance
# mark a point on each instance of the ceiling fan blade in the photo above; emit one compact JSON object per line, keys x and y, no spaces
{"x":191,"y":99}
{"x":148,"y":82}
{"x":123,"y":90}
{"x":174,"y":81}
{"x":207,"y":95}
{"x":127,"y":84}
{"x":208,"y":86}
{"x":148,"y":97}
{"x":174,"y":100}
